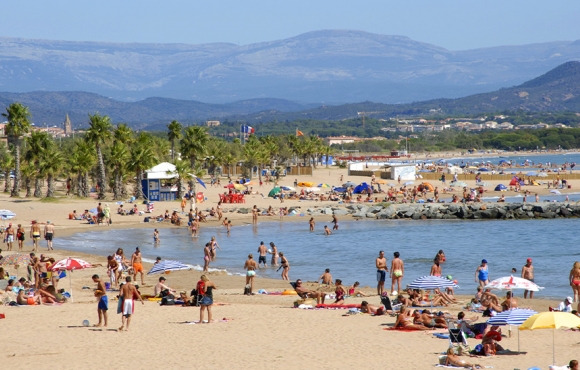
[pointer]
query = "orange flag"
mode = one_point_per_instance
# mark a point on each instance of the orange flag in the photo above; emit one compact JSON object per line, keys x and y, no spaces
{"x":299,"y":133}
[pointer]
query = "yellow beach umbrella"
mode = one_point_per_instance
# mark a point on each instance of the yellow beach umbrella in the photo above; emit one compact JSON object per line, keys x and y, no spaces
{"x":551,"y":320}
{"x":239,"y":187}
{"x":382,"y":182}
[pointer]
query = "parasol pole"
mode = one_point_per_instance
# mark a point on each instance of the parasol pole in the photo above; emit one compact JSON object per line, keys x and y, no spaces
{"x":553,"y":345}
{"x":70,"y":287}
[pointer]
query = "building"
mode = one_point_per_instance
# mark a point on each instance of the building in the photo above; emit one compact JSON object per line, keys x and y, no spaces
{"x":67,"y":126}
{"x":212,"y":123}
{"x":331,"y":140}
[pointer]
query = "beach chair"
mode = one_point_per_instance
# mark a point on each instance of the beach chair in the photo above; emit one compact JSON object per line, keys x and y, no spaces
{"x":457,"y":339}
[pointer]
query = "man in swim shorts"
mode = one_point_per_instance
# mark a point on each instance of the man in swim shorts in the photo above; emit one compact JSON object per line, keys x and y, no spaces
{"x":103,"y":305}
{"x":528,"y":274}
{"x":397,"y":271}
{"x":262,"y":251}
{"x":381,"y":263}
{"x":127,"y":293}
{"x":49,"y":234}
{"x":137,"y":264}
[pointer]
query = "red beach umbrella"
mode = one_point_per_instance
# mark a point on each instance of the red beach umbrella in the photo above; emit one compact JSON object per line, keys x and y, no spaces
{"x":70,"y":264}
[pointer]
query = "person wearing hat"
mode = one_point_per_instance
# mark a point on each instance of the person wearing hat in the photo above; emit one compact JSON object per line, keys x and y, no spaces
{"x":161,"y":287}
{"x":528,"y":274}
{"x":482,"y":273}
{"x":565,"y":306}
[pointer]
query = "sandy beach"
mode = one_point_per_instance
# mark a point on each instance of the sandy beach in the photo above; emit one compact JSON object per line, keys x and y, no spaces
{"x":260,"y":331}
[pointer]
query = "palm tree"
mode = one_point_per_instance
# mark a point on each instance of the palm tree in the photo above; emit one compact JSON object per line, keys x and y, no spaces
{"x":118,"y":160}
{"x":184,"y":174}
{"x":123,"y":134}
{"x":29,"y":173}
{"x":51,"y":164}
{"x":98,"y":134}
{"x":81,"y":160}
{"x":142,"y":157}
{"x":36,"y":144}
{"x":18,"y":118}
{"x":173,"y":134}
{"x":6,"y":165}
{"x":194,"y":145}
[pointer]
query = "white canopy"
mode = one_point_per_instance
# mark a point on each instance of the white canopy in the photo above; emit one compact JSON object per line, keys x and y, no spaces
{"x":161,"y":171}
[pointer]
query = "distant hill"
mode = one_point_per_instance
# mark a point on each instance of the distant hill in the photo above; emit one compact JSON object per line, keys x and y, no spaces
{"x":323,"y":67}
{"x":52,"y":107}
{"x":557,"y":90}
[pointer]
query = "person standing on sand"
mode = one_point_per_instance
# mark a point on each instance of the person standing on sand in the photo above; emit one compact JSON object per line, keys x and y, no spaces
{"x":311,"y":223}
{"x":482,"y":273}
{"x":137,"y":264}
{"x":381,"y":264}
{"x":10,"y":236}
{"x":34,"y":235}
{"x":528,"y":274}
{"x":20,"y":236}
{"x":335,"y":222}
{"x":207,"y":299}
{"x":285,"y":266}
{"x":49,"y":234}
{"x":397,"y":272}
{"x":103,"y":305}
{"x":262,"y":251}
{"x":250,"y":267}
{"x":128,"y":292}
{"x":255,"y":214}
{"x":274,"y":253}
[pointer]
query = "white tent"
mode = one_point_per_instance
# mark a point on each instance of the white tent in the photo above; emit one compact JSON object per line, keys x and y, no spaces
{"x":162,"y":171}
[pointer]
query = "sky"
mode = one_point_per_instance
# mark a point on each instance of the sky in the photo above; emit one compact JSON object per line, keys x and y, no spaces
{"x":452,"y":24}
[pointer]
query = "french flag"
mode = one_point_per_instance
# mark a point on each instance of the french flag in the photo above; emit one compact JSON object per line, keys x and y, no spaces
{"x":247,"y":129}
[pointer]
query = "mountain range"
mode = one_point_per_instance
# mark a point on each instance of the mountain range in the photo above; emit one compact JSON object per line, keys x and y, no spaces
{"x":555,"y":91}
{"x":321,"y":67}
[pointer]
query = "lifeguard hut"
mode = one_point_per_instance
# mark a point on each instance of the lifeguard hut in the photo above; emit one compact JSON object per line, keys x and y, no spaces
{"x":157,"y":184}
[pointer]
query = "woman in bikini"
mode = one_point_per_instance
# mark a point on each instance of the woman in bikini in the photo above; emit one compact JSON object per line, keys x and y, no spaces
{"x":575,"y":280}
{"x":285,"y":266}
{"x":121,"y":261}
{"x":404,"y":320}
{"x":213,"y":246}
{"x":274,"y":253}
{"x":340,"y":292}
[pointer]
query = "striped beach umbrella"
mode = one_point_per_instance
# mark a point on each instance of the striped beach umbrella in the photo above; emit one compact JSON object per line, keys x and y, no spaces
{"x":515,"y":317}
{"x":432,"y":282}
{"x":167,"y":265}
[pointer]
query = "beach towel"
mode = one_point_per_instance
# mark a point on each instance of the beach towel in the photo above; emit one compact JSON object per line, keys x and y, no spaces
{"x":456,"y":367}
{"x":402,"y":329}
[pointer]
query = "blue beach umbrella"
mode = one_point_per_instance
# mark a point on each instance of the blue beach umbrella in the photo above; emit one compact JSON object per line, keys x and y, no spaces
{"x":432,"y":282}
{"x":167,"y":265}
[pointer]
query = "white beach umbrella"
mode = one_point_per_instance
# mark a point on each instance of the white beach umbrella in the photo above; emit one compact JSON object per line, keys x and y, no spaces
{"x":511,"y":283}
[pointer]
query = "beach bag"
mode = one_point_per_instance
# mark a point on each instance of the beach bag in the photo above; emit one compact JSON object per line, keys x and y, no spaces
{"x":146,"y":219}
{"x":306,"y":301}
{"x":247,"y":290}
{"x":168,"y":300}
{"x":194,"y":297}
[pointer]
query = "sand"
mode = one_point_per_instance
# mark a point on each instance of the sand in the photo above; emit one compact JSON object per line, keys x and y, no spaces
{"x":262,"y":331}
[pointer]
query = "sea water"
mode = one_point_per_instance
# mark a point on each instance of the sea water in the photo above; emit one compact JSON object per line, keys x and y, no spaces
{"x":350,"y":252}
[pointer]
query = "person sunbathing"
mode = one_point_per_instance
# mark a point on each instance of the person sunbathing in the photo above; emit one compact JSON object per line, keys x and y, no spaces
{"x":436,"y":301}
{"x":353,"y":292}
{"x":429,"y":320}
{"x":340,"y":292}
{"x":306,"y":293}
{"x":23,"y":300}
{"x":509,"y":303}
{"x":489,"y":341}
{"x":454,"y":360}
{"x":365,"y":307}
{"x":404,"y":320}
{"x":45,"y":296}
{"x":446,"y":297}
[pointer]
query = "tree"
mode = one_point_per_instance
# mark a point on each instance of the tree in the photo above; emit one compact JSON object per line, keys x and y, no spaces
{"x":98,"y":134}
{"x":194,"y":145}
{"x":118,"y":160}
{"x":51,"y":164}
{"x":173,"y":134}
{"x":18,"y":118}
{"x":184,"y":174}
{"x":29,"y":173}
{"x":6,"y":165}
{"x":142,"y":157}
{"x":81,"y":160}
{"x":36,"y":143}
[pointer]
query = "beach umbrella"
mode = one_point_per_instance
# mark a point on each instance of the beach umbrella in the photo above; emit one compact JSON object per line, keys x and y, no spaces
{"x":532,"y":173}
{"x":339,"y":190}
{"x":500,"y":187}
{"x":306,"y":184}
{"x":483,"y":169}
{"x":551,"y":320}
{"x":408,"y":183}
{"x":70,"y":264}
{"x":381,"y":181}
{"x":432,"y":282}
{"x":542,"y":174}
{"x":311,"y":189}
{"x":6,"y":214}
{"x":458,"y":183}
{"x":167,"y":265}
{"x":287,"y":188}
{"x":229,"y":186}
{"x":555,"y":192}
{"x":349,"y":184}
{"x":391,"y":184}
{"x":510,"y":283}
{"x":515,"y":317}
{"x":324,"y":186}
{"x":249,"y":183}
{"x":93,"y":210}
{"x":274,"y":192}
{"x":239,"y":187}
